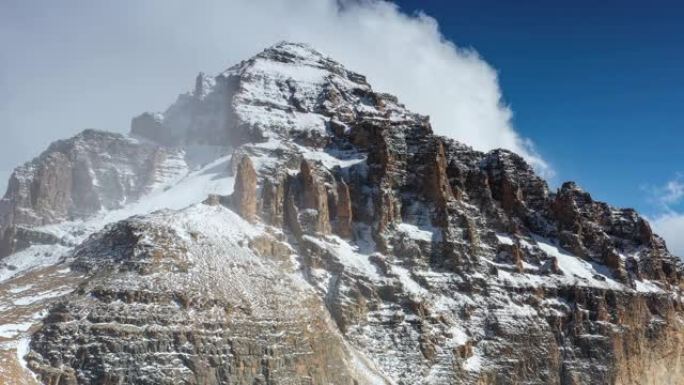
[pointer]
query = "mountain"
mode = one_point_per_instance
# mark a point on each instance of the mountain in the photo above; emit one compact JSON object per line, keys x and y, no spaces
{"x":284,"y":223}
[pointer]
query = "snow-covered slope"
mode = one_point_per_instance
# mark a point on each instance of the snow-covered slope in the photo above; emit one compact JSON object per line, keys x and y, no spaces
{"x":357,"y":248}
{"x":33,"y":278}
{"x":286,"y":91}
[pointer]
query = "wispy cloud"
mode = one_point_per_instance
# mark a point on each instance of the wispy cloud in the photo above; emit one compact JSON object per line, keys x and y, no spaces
{"x":667,"y":196}
{"x":673,"y":191}
{"x":670,"y":226}
{"x":669,"y":221}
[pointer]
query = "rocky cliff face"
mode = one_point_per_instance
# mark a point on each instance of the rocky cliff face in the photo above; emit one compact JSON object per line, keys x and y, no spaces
{"x":78,"y":177}
{"x":161,"y":306}
{"x":356,"y":247}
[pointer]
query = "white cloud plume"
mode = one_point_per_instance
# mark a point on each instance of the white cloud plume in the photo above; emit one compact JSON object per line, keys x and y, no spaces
{"x":668,"y":196}
{"x":669,"y":223}
{"x":670,"y":226}
{"x":73,"y":64}
{"x":673,"y":191}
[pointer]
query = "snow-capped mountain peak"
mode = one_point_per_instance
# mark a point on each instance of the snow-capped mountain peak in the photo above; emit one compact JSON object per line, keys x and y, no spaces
{"x":283,"y":222}
{"x":286,"y":88}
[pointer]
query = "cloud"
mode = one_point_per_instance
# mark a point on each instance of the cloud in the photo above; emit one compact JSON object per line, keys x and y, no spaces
{"x":673,"y":191}
{"x":669,"y":222}
{"x":670,"y":226}
{"x":70,"y":65}
{"x":668,"y":196}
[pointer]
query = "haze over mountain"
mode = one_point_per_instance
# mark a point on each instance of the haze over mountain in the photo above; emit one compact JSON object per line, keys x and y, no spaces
{"x":94,"y":64}
{"x":106,"y":60}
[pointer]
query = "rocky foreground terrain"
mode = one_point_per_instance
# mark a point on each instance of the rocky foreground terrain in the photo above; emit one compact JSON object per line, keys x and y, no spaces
{"x":284,"y":223}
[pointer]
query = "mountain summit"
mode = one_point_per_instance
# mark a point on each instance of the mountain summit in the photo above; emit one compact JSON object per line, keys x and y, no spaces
{"x":284,"y":223}
{"x":288,"y":89}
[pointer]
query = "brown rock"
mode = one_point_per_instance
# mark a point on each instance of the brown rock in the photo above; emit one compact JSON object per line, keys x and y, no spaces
{"x":436,"y":187}
{"x":343,"y":223}
{"x":291,"y":215}
{"x":269,"y":246}
{"x":314,"y":197}
{"x":517,"y":255}
{"x":272,"y":200}
{"x":245,"y":193}
{"x":212,"y":200}
{"x":511,"y":195}
{"x":52,"y":187}
{"x":551,"y":267}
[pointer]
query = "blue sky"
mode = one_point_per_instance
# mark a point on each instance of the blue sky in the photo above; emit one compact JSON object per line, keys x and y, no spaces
{"x":598,"y":86}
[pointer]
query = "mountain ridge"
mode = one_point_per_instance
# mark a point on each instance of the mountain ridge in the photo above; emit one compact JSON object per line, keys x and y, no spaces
{"x":319,"y":232}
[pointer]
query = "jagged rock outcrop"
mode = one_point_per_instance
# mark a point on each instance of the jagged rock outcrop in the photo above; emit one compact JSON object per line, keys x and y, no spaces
{"x":18,"y":238}
{"x":312,"y":208}
{"x":367,"y":250}
{"x":198,"y":117}
{"x":245,"y":196}
{"x":81,"y":176}
{"x":162,"y":307}
{"x":343,"y":211}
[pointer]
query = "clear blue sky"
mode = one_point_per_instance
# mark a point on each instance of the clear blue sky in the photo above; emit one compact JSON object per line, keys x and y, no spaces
{"x":597,"y":85}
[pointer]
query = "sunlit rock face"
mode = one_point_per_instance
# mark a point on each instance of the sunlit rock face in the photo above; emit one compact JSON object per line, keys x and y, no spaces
{"x":322,"y":234}
{"x":78,"y":177}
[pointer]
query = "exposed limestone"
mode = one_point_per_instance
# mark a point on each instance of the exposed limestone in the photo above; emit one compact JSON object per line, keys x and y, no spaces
{"x":273,"y":196}
{"x":78,"y":177}
{"x":437,"y":188}
{"x":343,"y":211}
{"x":377,"y":253}
{"x":187,"y":317}
{"x":18,"y":238}
{"x":244,"y":198}
{"x":314,"y":199}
